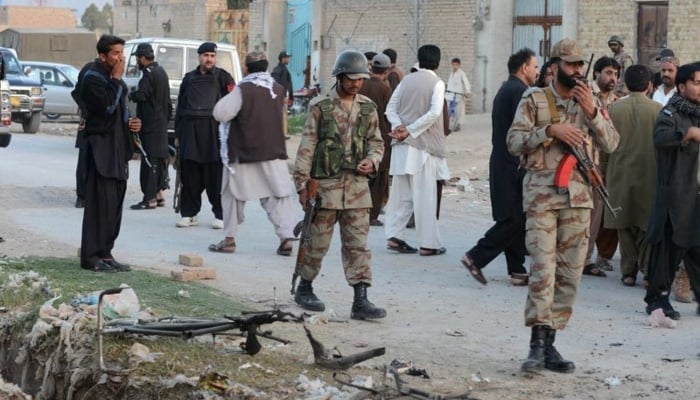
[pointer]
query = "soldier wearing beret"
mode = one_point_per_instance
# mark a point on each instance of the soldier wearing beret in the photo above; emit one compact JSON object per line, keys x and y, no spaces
{"x":197,"y":134}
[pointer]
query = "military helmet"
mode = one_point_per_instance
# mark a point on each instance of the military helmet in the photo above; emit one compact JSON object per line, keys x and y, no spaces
{"x":615,"y":38}
{"x":352,"y":63}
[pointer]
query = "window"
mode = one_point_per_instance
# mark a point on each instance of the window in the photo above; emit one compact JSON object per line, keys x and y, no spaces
{"x":170,"y":58}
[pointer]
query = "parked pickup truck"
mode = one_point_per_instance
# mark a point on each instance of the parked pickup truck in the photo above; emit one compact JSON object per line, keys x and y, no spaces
{"x":27,"y":94}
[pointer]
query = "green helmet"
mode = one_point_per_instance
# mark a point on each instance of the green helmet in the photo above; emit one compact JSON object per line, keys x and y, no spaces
{"x":352,"y":63}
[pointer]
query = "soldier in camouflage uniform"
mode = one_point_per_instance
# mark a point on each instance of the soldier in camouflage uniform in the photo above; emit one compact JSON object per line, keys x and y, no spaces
{"x":625,"y":60}
{"x":547,"y":121}
{"x":340,"y":147}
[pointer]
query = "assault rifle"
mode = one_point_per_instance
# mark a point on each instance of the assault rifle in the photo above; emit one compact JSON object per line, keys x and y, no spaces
{"x":591,"y":173}
{"x":313,"y":203}
{"x":139,"y":145}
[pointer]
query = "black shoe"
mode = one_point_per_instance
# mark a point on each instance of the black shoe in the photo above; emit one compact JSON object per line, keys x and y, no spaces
{"x":117,"y":265}
{"x":666,"y":306}
{"x":535,"y":359}
{"x":144,"y":205}
{"x":103,"y":266}
{"x":79,"y":202}
{"x":363,"y":308}
{"x":553,"y":361}
{"x":375,"y":222}
{"x":306,"y":298}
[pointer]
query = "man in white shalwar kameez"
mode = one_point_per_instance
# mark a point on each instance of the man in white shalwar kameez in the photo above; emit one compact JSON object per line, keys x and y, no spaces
{"x":254,"y":155}
{"x":418,"y":158}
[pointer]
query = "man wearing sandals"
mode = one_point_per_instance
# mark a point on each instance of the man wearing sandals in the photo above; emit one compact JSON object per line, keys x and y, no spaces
{"x":152,"y":98}
{"x":418,"y":156}
{"x":254,"y":154}
{"x":547,"y":121}
{"x":340,"y":147}
{"x":634,"y":117}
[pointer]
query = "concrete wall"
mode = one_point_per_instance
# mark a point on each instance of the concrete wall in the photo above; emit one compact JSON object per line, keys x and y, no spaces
{"x":188,"y":19}
{"x":36,"y":17}
{"x":684,"y":29}
{"x":267,"y":27}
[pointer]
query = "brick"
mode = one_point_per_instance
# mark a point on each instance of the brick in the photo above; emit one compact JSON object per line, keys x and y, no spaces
{"x":191,"y":260}
{"x":193,"y":274}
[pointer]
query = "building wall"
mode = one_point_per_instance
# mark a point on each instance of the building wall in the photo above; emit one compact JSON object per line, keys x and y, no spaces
{"x":36,"y":17}
{"x":684,"y":29}
{"x":188,"y":19}
{"x":365,"y":25}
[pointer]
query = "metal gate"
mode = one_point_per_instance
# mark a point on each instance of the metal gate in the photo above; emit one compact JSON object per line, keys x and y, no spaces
{"x":537,"y":25}
{"x":298,"y":39}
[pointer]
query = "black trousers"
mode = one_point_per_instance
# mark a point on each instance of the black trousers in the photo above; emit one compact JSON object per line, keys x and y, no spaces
{"x":80,"y":173}
{"x":664,"y":258}
{"x":197,"y":177}
{"x":506,"y":236}
{"x":102,"y":215}
{"x":153,"y":179}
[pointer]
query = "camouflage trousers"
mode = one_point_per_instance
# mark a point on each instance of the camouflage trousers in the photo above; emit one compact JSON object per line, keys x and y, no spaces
{"x":354,"y":227}
{"x":557,"y":241}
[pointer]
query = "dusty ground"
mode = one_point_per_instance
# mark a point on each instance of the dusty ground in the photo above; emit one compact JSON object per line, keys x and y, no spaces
{"x":426,"y":297}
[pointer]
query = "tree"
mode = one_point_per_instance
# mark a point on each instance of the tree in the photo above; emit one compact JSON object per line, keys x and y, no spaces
{"x":108,"y":15}
{"x":94,"y":19}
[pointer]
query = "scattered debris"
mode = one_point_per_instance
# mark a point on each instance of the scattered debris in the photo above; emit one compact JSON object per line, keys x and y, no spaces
{"x":478,"y":378}
{"x":401,"y":365}
{"x":657,"y":319}
{"x":213,"y":381}
{"x":139,"y":353}
{"x":179,"y":379}
{"x":413,"y":371}
{"x":672,"y":359}
{"x":183,"y":293}
{"x":451,"y":332}
{"x":613,"y":381}
{"x":324,"y":318}
{"x":615,"y":344}
{"x":326,"y":359}
{"x":359,"y":342}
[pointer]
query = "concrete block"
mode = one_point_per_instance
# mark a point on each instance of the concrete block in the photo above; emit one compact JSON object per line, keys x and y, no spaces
{"x":201,"y":272}
{"x":191,"y":260}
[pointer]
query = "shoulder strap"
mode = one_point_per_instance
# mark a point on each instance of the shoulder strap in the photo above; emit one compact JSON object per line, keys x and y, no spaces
{"x":326,"y":107}
{"x":552,"y":105}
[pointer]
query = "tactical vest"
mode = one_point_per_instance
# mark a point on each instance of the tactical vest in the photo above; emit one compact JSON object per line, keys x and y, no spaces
{"x":202,"y":95}
{"x":545,"y":114}
{"x":329,"y":156}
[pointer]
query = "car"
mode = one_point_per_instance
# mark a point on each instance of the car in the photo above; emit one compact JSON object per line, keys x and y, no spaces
{"x":58,"y":81}
{"x":27,"y":95}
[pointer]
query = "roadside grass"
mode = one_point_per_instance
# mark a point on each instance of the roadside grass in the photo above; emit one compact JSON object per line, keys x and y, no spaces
{"x":295,"y":123}
{"x":273,"y":371}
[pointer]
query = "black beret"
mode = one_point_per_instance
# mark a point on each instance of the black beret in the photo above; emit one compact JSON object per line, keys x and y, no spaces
{"x":207,"y":47}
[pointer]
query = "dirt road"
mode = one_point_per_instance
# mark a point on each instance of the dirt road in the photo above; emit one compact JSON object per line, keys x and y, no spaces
{"x":426,"y":297}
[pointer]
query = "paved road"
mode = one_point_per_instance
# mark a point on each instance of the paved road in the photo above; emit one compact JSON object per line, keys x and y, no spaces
{"x":424,"y":296}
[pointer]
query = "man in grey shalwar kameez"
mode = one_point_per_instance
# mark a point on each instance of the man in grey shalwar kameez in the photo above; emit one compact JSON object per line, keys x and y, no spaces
{"x":254,"y":155}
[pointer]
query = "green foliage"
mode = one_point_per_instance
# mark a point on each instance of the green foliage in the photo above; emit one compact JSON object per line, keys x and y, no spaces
{"x":94,"y":19}
{"x":295,"y":123}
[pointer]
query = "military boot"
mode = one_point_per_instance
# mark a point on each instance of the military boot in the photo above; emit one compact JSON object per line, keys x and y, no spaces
{"x":306,"y":298}
{"x":535,"y":359}
{"x":553,"y":361}
{"x":363,"y":308}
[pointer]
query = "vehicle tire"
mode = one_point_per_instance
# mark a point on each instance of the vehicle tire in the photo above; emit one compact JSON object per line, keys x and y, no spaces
{"x":52,"y":116}
{"x":31,"y":124}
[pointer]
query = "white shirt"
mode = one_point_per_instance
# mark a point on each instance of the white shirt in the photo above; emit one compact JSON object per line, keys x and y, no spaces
{"x":661,"y":97}
{"x":458,"y":85}
{"x":406,"y":159}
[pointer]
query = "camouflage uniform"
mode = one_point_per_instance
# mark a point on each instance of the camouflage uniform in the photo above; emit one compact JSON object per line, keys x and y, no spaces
{"x":345,"y":199}
{"x":557,"y":224}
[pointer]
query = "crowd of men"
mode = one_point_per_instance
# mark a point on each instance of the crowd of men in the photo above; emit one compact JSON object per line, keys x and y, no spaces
{"x":376,"y":142}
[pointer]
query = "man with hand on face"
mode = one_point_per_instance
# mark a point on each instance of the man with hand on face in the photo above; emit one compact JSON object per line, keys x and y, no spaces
{"x":341,"y":146}
{"x":198,"y":134}
{"x":548,"y":122}
{"x":108,"y":150}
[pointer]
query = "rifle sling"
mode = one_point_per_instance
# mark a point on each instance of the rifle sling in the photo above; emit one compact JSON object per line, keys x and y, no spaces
{"x":552,"y":106}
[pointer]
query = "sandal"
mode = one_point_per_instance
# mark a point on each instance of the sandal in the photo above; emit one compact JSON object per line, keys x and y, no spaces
{"x":143,"y":205}
{"x":629,"y":280}
{"x":518,"y":279}
{"x":285,"y":250}
{"x":160,"y":202}
{"x":593,"y":270}
{"x":399,"y":245}
{"x":224,"y":246}
{"x":424,"y":251}
{"x":473,"y":270}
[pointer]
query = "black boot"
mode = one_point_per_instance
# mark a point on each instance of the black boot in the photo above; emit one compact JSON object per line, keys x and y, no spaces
{"x":535,"y":359}
{"x":306,"y":298}
{"x":363,"y":308}
{"x":553,"y":361}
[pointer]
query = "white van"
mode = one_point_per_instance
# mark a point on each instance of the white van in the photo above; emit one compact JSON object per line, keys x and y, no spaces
{"x":178,"y":57}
